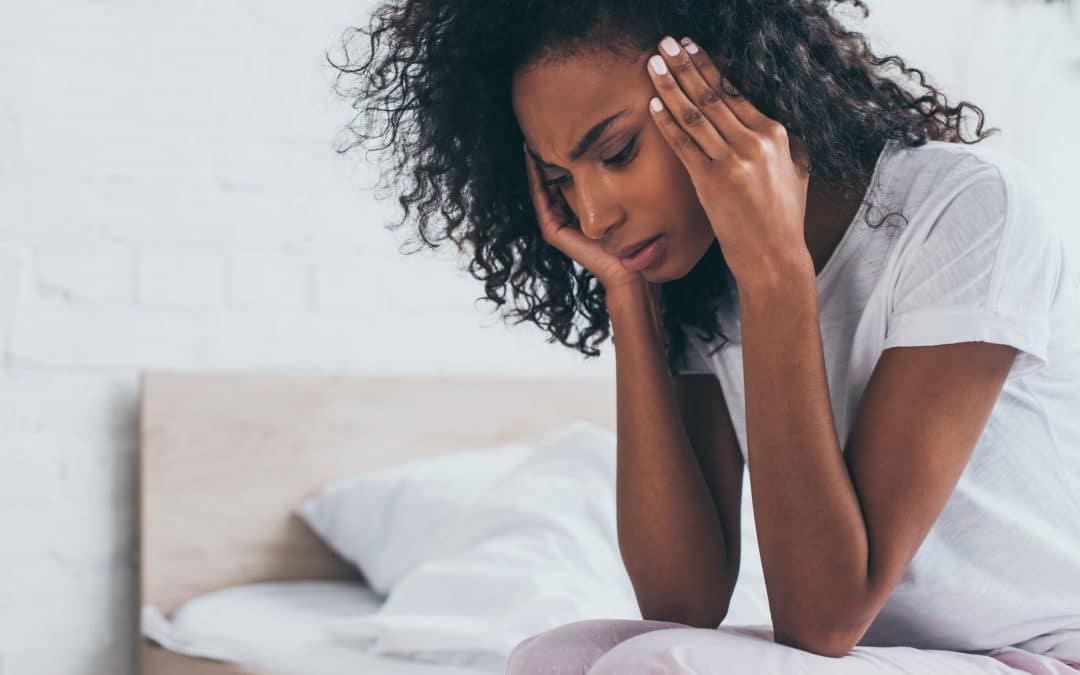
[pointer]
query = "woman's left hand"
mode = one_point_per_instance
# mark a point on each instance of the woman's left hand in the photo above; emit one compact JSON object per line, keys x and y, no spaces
{"x":739,"y":161}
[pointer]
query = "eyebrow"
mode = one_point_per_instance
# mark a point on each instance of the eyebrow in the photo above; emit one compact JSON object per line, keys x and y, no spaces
{"x":587,"y":140}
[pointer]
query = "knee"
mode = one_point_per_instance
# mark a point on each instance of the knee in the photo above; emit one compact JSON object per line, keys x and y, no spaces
{"x":569,"y":649}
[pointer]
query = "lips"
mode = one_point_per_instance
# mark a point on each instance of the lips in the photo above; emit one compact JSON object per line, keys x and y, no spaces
{"x":631,"y":250}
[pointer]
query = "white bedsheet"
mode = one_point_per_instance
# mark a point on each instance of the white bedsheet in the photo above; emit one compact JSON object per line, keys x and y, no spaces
{"x":275,"y":627}
{"x":278,"y":628}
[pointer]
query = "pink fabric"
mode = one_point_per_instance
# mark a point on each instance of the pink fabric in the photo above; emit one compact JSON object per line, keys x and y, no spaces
{"x":627,"y":647}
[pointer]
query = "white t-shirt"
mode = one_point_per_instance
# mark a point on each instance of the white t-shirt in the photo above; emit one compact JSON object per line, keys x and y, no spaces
{"x":976,"y":260}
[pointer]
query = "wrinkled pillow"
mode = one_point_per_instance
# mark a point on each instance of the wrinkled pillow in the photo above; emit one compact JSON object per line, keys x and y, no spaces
{"x":537,"y":550}
{"x":263,"y":625}
{"x":385,"y":521}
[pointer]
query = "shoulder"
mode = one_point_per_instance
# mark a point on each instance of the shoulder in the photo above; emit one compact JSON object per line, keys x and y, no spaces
{"x":938,"y":166}
{"x":940,"y":183}
{"x":974,"y":217}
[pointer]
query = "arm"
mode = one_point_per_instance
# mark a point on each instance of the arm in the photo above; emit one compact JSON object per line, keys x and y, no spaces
{"x":836,"y":531}
{"x":838,"y":526}
{"x":708,"y":425}
{"x":671,"y":538}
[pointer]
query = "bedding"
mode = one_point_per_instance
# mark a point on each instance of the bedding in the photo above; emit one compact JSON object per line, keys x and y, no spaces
{"x":382,"y":521}
{"x":535,"y":546}
{"x":278,"y":628}
{"x":536,"y":550}
{"x":275,"y":628}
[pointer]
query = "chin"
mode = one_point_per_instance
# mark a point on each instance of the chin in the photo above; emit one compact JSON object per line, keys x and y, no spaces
{"x":669,"y":269}
{"x":660,"y":276}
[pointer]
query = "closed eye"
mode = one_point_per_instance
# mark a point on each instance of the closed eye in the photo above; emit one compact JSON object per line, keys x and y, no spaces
{"x":622,"y":158}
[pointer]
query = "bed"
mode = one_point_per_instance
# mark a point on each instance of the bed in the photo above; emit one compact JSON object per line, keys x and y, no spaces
{"x":223,"y":459}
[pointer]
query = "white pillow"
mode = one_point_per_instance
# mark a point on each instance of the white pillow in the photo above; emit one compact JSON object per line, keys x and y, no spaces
{"x":259,"y":624}
{"x":537,"y":550}
{"x":384,"y":522}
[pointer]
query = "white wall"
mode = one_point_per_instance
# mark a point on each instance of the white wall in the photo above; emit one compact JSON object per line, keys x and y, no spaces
{"x":1019,"y":60}
{"x":170,"y":198}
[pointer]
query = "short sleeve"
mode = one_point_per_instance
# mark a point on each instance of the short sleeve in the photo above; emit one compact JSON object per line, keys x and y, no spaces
{"x":982,"y":265}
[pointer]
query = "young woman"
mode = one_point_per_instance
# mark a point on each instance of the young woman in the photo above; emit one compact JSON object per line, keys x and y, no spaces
{"x":806,"y":267}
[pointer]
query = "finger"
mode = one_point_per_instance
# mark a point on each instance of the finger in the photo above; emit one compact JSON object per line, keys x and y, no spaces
{"x":684,"y":125}
{"x":557,"y":229}
{"x":684,"y":146}
{"x":705,"y":95}
{"x":546,"y":213}
{"x":744,"y":110}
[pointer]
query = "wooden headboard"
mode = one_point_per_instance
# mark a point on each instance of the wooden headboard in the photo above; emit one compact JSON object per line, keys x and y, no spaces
{"x":224,"y":458}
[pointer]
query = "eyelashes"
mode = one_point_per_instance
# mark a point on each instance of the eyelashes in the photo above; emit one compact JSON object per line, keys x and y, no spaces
{"x":622,"y":158}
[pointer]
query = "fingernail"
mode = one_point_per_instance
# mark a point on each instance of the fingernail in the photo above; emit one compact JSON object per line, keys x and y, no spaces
{"x":657,"y":64}
{"x":670,"y":46}
{"x":689,"y":46}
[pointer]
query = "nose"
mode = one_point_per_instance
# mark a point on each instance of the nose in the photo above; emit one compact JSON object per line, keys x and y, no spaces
{"x":596,"y":209}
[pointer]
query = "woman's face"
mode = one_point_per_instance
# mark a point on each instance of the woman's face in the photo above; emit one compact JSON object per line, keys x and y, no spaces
{"x":628,"y":185}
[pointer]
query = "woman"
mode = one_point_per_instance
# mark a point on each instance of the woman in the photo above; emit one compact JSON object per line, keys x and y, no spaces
{"x":806,"y":269}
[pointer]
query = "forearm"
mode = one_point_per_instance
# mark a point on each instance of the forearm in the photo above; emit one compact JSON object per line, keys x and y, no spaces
{"x":811,"y":533}
{"x":670,"y":534}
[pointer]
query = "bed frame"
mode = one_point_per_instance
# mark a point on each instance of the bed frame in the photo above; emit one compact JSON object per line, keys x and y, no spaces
{"x":223,"y":458}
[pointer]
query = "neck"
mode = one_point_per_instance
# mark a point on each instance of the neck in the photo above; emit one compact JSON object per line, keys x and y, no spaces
{"x":828,"y":215}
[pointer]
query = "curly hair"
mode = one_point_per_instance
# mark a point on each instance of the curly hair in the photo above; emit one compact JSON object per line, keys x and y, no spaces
{"x":439,"y":75}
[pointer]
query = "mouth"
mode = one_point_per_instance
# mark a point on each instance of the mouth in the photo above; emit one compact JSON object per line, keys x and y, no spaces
{"x":629,"y":253}
{"x":646,"y":255}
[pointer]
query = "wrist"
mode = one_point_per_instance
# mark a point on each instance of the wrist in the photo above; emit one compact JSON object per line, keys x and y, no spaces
{"x":633,"y":301}
{"x":782,"y":281}
{"x":633,"y":297}
{"x":625,"y":293}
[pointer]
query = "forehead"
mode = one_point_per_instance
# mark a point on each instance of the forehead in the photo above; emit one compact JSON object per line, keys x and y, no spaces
{"x":556,"y":103}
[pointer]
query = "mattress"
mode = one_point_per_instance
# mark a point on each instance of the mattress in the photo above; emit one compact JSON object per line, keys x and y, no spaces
{"x":275,"y":628}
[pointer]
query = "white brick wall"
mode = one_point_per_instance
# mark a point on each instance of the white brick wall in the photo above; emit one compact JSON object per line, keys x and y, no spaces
{"x":171,"y":276}
{"x":170,"y":198}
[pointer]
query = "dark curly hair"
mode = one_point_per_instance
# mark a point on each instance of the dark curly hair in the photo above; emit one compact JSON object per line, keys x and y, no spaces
{"x":441,"y":74}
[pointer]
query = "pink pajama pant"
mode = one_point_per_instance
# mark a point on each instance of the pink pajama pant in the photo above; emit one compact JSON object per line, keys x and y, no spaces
{"x":643,"y":647}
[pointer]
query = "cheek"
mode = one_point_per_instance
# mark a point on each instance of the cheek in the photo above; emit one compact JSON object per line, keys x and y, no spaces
{"x":665,"y":170}
{"x":670,"y":172}
{"x":670,"y":184}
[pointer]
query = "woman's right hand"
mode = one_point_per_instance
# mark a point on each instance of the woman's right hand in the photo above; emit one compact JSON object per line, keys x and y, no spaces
{"x":560,"y":228}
